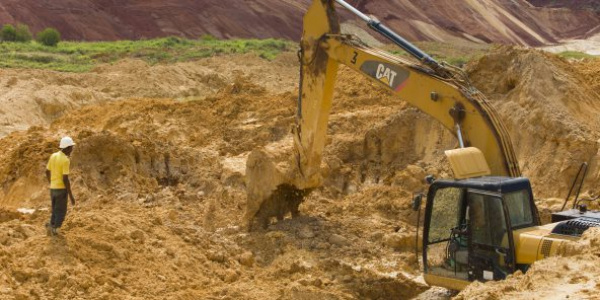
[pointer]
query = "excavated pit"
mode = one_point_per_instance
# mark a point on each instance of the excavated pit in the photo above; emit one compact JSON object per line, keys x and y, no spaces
{"x":162,"y":184}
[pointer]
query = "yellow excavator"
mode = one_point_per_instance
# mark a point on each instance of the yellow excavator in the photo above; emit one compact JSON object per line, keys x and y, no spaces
{"x":482,"y":224}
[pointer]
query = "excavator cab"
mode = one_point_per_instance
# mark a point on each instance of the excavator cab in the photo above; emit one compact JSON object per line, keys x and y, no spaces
{"x":469,"y":224}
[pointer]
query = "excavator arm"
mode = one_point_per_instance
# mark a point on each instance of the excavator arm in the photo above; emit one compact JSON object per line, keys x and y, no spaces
{"x":441,"y":91}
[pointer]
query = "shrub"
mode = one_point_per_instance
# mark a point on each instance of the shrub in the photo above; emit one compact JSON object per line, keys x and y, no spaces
{"x":22,"y":33}
{"x":9,"y":33}
{"x":49,"y":37}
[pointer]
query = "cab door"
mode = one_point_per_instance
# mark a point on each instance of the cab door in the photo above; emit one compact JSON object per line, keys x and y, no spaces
{"x":490,"y":242}
{"x":445,"y":238}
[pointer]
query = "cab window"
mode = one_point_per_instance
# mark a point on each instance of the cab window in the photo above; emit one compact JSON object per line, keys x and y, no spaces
{"x":519,"y":208}
{"x":445,"y":213}
{"x":487,"y":219}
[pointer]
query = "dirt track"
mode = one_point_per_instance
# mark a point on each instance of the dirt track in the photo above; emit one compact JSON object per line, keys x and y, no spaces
{"x":161,"y":188}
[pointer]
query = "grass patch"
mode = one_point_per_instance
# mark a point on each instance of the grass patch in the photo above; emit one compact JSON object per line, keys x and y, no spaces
{"x":575,"y":55}
{"x":83,"y":56}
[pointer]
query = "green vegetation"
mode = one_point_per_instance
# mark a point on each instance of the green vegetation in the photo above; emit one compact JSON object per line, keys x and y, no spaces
{"x":84,"y":56}
{"x":23,"y":34}
{"x":49,"y":37}
{"x":19,"y":34}
{"x":575,"y":55}
{"x":9,"y":33}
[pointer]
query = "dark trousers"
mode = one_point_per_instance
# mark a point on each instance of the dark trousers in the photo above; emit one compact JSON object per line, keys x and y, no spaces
{"x":59,"y":207}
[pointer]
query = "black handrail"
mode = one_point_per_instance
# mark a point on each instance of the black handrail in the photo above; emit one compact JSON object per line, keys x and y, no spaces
{"x":584,"y":168}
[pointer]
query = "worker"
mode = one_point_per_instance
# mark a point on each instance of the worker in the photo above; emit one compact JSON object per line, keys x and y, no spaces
{"x":57,"y":174}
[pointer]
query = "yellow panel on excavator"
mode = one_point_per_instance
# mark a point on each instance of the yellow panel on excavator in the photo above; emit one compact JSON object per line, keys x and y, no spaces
{"x":467,"y":162}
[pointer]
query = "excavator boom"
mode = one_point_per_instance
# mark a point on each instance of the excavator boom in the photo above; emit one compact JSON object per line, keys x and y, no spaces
{"x":440,"y":91}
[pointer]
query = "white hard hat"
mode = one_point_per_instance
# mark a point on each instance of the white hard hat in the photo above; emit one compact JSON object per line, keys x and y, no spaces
{"x":66,"y":142}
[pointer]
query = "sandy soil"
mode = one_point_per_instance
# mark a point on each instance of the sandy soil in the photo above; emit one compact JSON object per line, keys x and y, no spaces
{"x":34,"y":97}
{"x":591,"y":71}
{"x":550,"y":110}
{"x":574,"y":275}
{"x":160,"y":180}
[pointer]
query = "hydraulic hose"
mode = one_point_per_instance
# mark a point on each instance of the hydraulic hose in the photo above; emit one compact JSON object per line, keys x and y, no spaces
{"x":394,"y":37}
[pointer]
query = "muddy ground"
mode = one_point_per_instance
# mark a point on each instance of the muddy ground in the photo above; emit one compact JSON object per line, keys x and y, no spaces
{"x":159,"y":175}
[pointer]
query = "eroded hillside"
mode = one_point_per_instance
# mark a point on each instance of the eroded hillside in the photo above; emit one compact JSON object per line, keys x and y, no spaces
{"x":481,"y":21}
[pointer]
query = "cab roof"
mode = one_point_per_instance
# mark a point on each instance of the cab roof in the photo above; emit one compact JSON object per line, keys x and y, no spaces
{"x":488,"y":183}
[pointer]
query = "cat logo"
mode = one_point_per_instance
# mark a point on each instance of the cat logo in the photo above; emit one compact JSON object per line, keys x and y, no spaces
{"x":385,"y":75}
{"x":395,"y":77}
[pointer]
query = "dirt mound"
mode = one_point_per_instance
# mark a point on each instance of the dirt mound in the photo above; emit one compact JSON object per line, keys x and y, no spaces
{"x":590,"y":69}
{"x":145,"y":143}
{"x":574,"y":275}
{"x":37,"y":97}
{"x":550,"y":112}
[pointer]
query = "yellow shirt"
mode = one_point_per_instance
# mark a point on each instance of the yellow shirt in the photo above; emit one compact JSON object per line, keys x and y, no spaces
{"x":58,"y":165}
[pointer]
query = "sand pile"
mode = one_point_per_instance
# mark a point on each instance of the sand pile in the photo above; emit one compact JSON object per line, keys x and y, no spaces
{"x":145,"y":143}
{"x":550,"y":112}
{"x":590,"y":69}
{"x":574,"y":275}
{"x":37,"y":97}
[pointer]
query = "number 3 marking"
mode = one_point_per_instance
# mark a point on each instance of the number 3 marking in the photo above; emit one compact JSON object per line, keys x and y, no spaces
{"x":353,"y":61}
